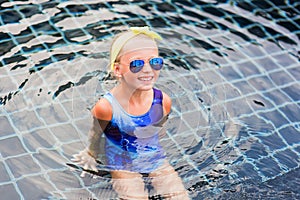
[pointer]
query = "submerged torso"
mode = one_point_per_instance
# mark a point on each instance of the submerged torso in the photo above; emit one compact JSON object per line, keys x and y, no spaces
{"x":130,"y":138}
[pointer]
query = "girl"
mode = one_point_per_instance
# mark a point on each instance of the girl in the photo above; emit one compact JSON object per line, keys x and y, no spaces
{"x":131,"y":116}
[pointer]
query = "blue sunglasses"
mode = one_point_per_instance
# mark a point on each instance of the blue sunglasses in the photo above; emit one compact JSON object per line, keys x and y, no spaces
{"x":137,"y":65}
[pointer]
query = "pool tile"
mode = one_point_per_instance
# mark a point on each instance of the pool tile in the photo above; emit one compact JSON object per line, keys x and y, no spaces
{"x":295,"y":72}
{"x":290,"y":134}
{"x":285,"y":60}
{"x":210,"y":77}
{"x":8,"y":191}
{"x":268,"y":167}
{"x":191,"y":83}
{"x":83,"y":125}
{"x":271,"y":48}
{"x":37,"y":139}
{"x":4,"y":177}
{"x":243,"y":87}
{"x":52,"y":76}
{"x":75,"y":193}
{"x":281,"y":78}
{"x":205,"y":162}
{"x":50,"y":159}
{"x":18,"y":102}
{"x":22,"y":165}
{"x":228,"y":92}
{"x":259,"y":103}
{"x":64,"y":179}
{"x":72,"y":148}
{"x":3,"y":71}
{"x":11,"y":147}
{"x":275,"y":117}
{"x":267,"y":63}
{"x":230,"y":73}
{"x":248,"y":68}
{"x":277,"y":96}
{"x":26,"y":120}
{"x":39,"y":96}
{"x":104,"y":193}
{"x":273,"y":141}
{"x":177,"y":125}
{"x":65,"y":133}
{"x":287,"y":158}
{"x":52,"y":114}
{"x":195,"y":119}
{"x":42,"y":188}
{"x":261,"y":83}
{"x":238,"y":107}
{"x":291,"y":112}
{"x":247,"y":171}
{"x":7,"y":85}
{"x":256,"y":151}
{"x":73,"y":107}
{"x":293,"y":91}
{"x":6,"y":127}
{"x":188,"y":142}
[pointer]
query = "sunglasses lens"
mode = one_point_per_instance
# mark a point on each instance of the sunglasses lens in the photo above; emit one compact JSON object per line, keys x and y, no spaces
{"x":136,"y":66}
{"x":156,"y":63}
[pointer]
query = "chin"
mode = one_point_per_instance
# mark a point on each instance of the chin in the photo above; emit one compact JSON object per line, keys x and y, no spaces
{"x":145,"y":87}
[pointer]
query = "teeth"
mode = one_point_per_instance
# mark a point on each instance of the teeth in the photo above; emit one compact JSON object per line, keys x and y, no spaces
{"x":145,"y":78}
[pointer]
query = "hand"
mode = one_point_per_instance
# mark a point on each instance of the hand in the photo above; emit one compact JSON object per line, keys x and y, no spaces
{"x":84,"y":159}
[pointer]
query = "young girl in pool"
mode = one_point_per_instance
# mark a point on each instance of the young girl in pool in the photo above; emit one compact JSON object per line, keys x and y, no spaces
{"x":131,"y":116}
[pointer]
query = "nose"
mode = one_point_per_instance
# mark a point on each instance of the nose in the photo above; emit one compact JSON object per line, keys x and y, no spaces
{"x":147,"y":67}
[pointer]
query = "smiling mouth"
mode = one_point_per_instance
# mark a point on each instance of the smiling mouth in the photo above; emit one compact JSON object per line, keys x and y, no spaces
{"x":146,"y":78}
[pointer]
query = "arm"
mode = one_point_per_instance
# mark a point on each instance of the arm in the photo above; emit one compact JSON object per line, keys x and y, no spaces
{"x":102,"y":113}
{"x":95,"y":135}
{"x":167,"y":104}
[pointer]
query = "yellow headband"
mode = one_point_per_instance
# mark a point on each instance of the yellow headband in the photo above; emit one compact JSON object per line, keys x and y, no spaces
{"x":123,"y":39}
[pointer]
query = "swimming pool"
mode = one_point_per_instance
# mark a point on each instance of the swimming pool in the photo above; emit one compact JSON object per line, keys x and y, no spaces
{"x":232,"y":71}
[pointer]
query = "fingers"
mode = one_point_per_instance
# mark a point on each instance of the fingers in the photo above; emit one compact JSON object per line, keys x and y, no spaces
{"x":82,"y":175}
{"x":94,"y":168}
{"x":85,"y":160}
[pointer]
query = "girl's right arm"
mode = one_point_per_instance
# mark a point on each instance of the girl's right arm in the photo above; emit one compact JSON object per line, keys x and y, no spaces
{"x":102,"y":114}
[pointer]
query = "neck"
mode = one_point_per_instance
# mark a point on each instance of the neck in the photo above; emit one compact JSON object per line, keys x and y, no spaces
{"x":130,"y":95}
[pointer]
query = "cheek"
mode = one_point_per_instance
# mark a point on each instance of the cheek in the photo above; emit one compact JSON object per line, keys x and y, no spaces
{"x":156,"y":72}
{"x":125,"y":70}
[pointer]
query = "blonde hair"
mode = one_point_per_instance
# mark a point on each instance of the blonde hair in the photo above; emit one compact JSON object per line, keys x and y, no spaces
{"x":122,"y":38}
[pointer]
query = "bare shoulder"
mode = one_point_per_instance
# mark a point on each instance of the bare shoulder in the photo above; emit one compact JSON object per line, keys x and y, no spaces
{"x":167,"y":103}
{"x":102,"y":110}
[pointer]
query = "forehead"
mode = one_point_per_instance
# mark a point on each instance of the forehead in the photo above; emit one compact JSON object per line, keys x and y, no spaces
{"x":142,"y":53}
{"x":138,"y":43}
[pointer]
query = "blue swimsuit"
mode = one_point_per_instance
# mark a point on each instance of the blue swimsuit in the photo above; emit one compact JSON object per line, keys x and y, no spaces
{"x":132,"y":142}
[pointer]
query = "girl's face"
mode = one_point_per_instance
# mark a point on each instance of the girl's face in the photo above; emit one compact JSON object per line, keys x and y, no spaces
{"x":138,"y":48}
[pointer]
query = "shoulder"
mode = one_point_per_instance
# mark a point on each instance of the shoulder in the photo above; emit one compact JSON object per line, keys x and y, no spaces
{"x":102,"y":110}
{"x":167,"y":103}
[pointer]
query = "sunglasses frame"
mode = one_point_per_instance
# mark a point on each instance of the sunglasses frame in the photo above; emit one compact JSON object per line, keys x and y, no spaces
{"x":137,"y":65}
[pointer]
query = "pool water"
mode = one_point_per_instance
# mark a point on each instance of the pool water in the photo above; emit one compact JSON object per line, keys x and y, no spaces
{"x":231,"y":69}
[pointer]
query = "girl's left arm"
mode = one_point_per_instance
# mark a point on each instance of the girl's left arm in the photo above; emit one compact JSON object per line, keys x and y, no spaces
{"x":167,"y":104}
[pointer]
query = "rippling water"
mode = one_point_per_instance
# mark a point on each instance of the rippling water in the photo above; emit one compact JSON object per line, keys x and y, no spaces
{"x":232,"y":71}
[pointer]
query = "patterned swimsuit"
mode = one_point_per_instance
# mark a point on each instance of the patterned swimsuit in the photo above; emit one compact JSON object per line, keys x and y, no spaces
{"x":132,"y":142}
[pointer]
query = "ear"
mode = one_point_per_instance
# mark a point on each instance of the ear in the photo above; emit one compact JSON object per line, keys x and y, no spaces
{"x":117,"y":70}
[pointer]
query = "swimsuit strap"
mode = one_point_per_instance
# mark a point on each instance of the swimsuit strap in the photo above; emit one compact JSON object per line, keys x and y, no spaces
{"x":158,"y":97}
